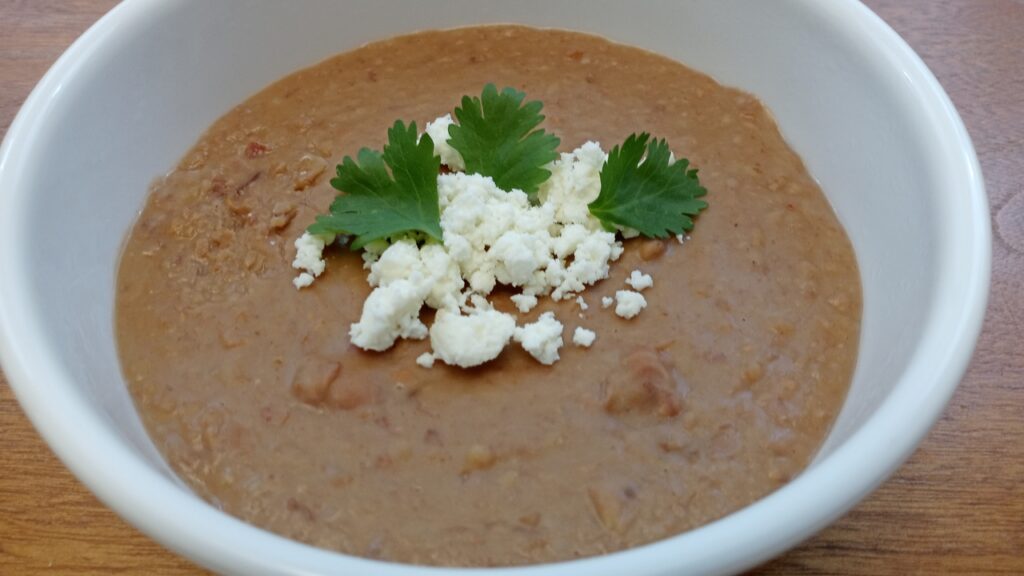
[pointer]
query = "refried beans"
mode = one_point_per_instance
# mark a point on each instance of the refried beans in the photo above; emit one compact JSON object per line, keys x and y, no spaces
{"x":717,"y":394}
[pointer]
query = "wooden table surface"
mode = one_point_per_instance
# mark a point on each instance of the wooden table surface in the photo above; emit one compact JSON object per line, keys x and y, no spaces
{"x":957,"y":507}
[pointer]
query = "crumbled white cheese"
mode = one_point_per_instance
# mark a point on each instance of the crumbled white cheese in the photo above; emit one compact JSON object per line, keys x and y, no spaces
{"x":639,"y":281}
{"x":443,"y":275}
{"x":398,"y":261}
{"x":607,"y":301}
{"x":490,"y":237}
{"x":476,"y":216}
{"x":425,"y":360}
{"x":390,"y":312}
{"x":429,"y":265}
{"x":518,"y":255}
{"x":470,"y":340}
{"x":524,"y":302}
{"x":372,"y":251}
{"x":591,"y":251}
{"x":574,"y":183}
{"x":302,"y":280}
{"x":518,"y":242}
{"x":542,"y":338}
{"x":583,"y":337}
{"x":309,"y":256}
{"x":628,"y":303}
{"x":438,"y":131}
{"x":477,"y":302}
{"x":405,"y":277}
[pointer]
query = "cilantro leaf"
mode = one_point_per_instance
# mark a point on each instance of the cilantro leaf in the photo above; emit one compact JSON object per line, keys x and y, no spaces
{"x":647,"y":194}
{"x":495,"y":136}
{"x":376,"y":204}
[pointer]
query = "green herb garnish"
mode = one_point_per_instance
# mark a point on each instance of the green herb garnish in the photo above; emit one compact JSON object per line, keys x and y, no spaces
{"x":395,"y":192}
{"x":650,"y":195}
{"x":496,"y":137}
{"x":377,"y":204}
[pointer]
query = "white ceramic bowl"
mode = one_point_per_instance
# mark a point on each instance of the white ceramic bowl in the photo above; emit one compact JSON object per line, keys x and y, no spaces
{"x":128,"y":99}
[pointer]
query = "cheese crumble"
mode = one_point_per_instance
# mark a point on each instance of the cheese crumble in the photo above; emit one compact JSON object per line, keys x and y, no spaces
{"x":473,"y":339}
{"x":629,"y":303}
{"x":309,"y":250}
{"x":438,"y":131}
{"x":542,"y":338}
{"x":524,"y":302}
{"x":639,"y":281}
{"x":425,"y":360}
{"x":583,"y":337}
{"x":491,"y":237}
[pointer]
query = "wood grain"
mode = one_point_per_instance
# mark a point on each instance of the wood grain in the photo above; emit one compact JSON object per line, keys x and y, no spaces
{"x":957,"y":507}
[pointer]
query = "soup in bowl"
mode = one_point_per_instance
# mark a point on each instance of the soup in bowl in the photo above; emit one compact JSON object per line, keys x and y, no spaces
{"x":749,"y":400}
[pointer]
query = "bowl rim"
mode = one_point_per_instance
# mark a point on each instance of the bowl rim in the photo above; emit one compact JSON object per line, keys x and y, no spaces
{"x":160,"y":508}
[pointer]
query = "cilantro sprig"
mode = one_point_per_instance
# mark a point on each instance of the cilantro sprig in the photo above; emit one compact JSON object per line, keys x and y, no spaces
{"x":496,"y":135}
{"x":641,"y":189}
{"x":377,"y":204}
{"x":395,"y":192}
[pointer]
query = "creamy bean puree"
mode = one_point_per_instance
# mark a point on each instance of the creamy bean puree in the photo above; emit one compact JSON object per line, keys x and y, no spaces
{"x":719,"y":392}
